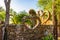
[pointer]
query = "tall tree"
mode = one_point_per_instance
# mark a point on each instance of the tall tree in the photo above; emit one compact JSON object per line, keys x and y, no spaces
{"x":47,"y":5}
{"x":54,"y":18}
{"x":7,"y":5}
{"x":53,"y":7}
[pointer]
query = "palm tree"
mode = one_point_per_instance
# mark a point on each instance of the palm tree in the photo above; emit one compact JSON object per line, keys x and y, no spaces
{"x":12,"y":14}
{"x":54,"y":18}
{"x":7,"y":5}
{"x":16,"y":18}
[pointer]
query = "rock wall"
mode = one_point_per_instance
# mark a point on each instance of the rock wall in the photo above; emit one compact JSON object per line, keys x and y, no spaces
{"x":21,"y":32}
{"x":1,"y":33}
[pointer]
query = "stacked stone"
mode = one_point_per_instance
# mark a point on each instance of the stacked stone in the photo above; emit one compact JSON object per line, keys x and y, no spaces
{"x":21,"y":32}
{"x":1,"y":33}
{"x":11,"y":33}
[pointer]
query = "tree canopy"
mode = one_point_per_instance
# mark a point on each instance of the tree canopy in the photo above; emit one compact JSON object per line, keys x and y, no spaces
{"x":47,"y":5}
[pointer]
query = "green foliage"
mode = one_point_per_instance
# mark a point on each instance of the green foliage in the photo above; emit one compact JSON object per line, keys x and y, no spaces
{"x":47,"y":5}
{"x":2,"y":15}
{"x":48,"y":37}
{"x":17,"y":18}
{"x":29,"y":22}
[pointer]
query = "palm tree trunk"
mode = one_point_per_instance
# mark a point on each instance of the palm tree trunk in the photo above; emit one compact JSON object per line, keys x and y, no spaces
{"x":7,"y":4}
{"x":54,"y":18}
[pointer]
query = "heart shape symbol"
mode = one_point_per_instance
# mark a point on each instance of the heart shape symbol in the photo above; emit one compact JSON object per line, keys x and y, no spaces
{"x":35,"y":25}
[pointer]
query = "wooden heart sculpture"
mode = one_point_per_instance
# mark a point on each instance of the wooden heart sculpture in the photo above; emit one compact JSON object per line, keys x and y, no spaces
{"x":34,"y":20}
{"x":45,"y":16}
{"x":34,"y":26}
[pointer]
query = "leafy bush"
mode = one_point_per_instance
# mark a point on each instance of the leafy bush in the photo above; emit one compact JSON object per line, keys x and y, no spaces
{"x":48,"y":37}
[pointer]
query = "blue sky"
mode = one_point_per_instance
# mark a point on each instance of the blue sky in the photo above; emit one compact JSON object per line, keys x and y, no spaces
{"x":20,"y":5}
